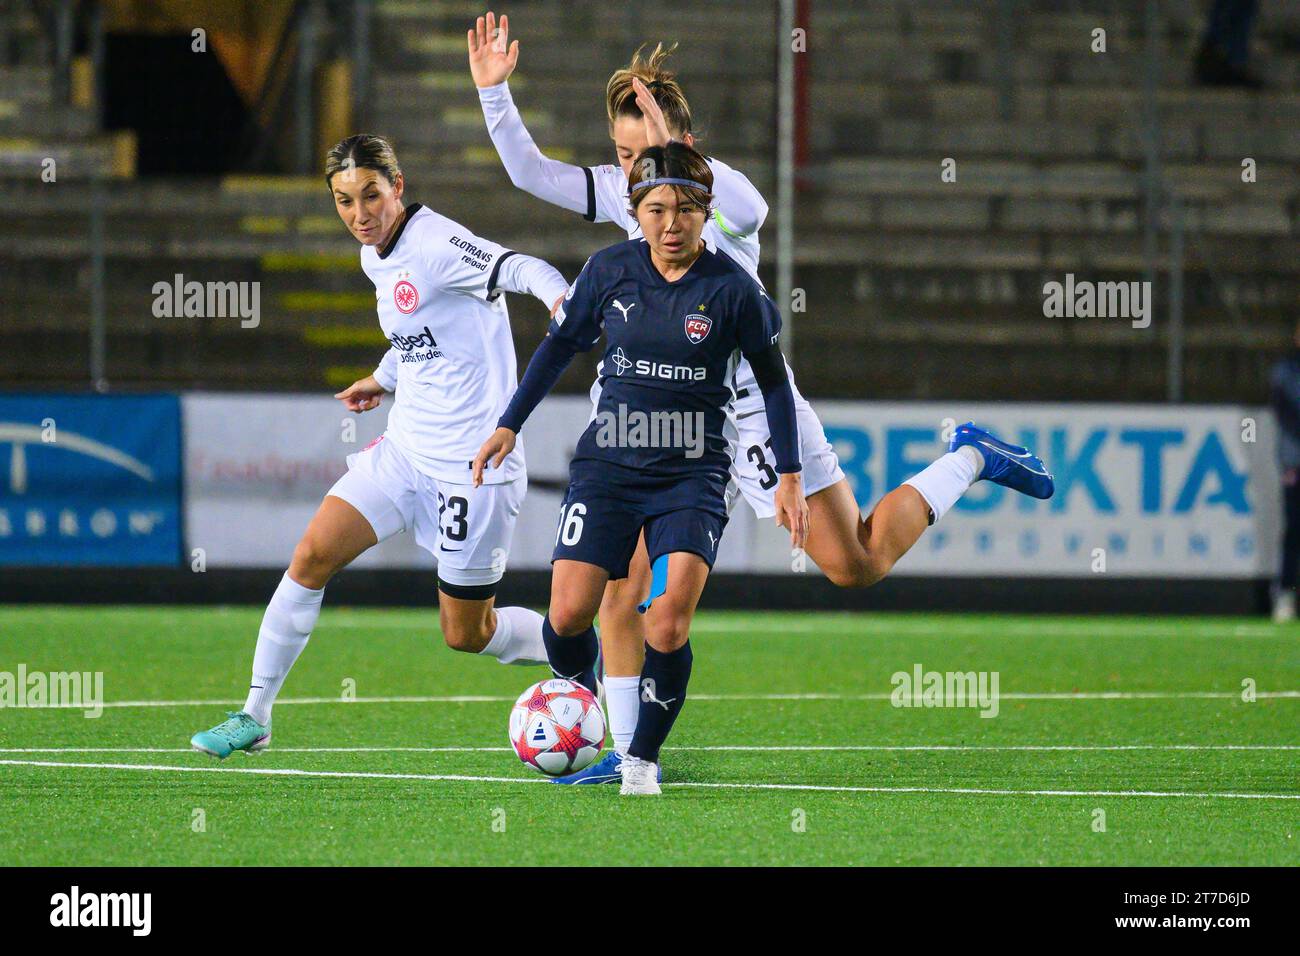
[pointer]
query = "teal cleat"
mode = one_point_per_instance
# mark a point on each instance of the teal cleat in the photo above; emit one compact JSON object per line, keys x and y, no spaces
{"x":238,"y":732}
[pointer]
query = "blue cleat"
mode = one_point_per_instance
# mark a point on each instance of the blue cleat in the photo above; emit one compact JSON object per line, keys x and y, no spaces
{"x":608,"y":769}
{"x":1005,"y":464}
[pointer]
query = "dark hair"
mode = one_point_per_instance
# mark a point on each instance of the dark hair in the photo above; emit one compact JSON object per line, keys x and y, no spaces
{"x":620,"y":98}
{"x":362,"y":151}
{"x":674,"y":161}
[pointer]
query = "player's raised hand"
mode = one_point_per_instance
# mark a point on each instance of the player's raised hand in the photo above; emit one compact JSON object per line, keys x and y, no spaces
{"x":792,"y":508}
{"x":495,"y":449}
{"x":491,"y":57}
{"x":362,"y":395}
{"x":656,"y":127}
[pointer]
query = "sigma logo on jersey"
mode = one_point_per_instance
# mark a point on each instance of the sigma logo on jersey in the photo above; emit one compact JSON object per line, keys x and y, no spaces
{"x":406,"y":297}
{"x":697,"y":327}
{"x":673,"y":373}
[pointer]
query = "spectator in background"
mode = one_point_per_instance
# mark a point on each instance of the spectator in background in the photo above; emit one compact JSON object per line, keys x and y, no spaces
{"x":1284,"y":396}
{"x":1225,"y":49}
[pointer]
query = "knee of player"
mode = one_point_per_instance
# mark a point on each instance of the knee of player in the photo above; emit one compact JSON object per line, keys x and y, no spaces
{"x":313,"y":562}
{"x":856,"y":574}
{"x":568,"y":619}
{"x":669,"y":632}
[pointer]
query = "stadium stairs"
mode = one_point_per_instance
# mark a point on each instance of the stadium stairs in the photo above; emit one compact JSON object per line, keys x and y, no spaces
{"x":915,"y":288}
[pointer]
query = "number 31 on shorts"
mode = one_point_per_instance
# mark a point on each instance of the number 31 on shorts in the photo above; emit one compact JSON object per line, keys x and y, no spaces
{"x":570,"y":529}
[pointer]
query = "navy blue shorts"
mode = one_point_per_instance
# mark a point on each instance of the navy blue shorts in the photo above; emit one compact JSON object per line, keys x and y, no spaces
{"x":606,"y":508}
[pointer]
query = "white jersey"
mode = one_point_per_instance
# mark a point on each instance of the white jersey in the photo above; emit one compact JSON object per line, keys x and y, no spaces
{"x":608,"y":188}
{"x":452,"y":359}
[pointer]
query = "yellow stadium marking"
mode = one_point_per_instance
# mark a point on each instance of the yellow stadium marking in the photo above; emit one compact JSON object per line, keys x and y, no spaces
{"x":319,"y":225}
{"x":342,"y":336}
{"x":487,"y":155}
{"x":264,"y":225}
{"x":342,"y":375}
{"x":473,"y":116}
{"x":455,"y":80}
{"x":307,"y":262}
{"x":438,"y":43}
{"x":272,"y":184}
{"x":328,"y":301}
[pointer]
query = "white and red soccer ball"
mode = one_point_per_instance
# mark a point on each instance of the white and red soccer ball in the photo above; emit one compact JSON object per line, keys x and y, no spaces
{"x":557,"y":727}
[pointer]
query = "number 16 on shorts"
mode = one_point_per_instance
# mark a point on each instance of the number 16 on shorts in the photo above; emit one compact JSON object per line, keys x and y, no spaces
{"x":570,"y":529}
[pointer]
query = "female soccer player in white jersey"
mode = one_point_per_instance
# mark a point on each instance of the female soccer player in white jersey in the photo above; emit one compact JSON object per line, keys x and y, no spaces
{"x":645,"y":106}
{"x":451,"y":365}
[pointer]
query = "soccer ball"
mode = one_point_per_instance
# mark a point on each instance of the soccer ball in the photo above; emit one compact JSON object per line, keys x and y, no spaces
{"x":557,"y":727}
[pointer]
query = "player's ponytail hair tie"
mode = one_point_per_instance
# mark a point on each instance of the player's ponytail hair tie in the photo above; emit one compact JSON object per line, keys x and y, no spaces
{"x":668,"y":181}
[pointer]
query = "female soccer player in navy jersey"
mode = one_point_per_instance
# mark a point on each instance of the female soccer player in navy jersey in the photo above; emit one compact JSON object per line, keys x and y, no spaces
{"x":653,"y":463}
{"x":646,"y":106}
{"x":452,"y":366}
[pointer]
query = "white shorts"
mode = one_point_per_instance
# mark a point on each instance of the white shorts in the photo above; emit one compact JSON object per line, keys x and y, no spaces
{"x":753,"y":471}
{"x":467,"y":529}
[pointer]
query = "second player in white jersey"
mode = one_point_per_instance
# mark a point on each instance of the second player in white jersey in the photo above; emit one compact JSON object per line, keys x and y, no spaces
{"x":600,"y":194}
{"x":646,"y":106}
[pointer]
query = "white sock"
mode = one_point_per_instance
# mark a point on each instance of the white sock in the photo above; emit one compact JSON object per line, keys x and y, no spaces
{"x":286,"y":626}
{"x":943,"y":481}
{"x":518,"y":637}
{"x":623,"y":699}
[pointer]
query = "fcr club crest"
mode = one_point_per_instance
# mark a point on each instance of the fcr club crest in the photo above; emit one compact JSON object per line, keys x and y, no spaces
{"x":405,"y":297}
{"x":697,"y":327}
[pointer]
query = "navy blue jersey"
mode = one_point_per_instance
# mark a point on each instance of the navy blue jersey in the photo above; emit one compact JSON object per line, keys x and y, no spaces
{"x":671,"y":349}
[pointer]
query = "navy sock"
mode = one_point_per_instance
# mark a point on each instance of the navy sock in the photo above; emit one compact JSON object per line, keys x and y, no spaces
{"x":573,"y":658}
{"x":663,"y":692}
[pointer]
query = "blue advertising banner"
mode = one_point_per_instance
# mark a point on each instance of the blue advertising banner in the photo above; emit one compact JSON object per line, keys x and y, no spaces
{"x":90,"y":480}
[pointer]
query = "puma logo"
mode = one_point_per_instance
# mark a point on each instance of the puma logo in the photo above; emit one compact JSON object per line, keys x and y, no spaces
{"x":648,"y":694}
{"x":625,"y":309}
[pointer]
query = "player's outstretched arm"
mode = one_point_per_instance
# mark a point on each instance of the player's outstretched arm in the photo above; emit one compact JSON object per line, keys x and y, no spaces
{"x":759,"y":329}
{"x":544,"y":370}
{"x":536,"y":277}
{"x":362,"y":395}
{"x":740,"y":207}
{"x":778,"y":400}
{"x":792,"y":508}
{"x":494,"y":450}
{"x":491,"y":61}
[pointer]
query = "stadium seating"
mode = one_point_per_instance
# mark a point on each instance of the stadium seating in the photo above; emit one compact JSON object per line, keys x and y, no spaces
{"x":907,"y":278}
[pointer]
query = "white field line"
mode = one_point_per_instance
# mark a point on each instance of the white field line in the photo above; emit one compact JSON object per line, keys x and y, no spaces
{"x":723,"y":748}
{"x":486,"y":699}
{"x":343,"y":774}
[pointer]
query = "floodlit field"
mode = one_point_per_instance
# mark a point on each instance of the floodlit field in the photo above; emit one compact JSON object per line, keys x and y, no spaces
{"x":789,"y":750}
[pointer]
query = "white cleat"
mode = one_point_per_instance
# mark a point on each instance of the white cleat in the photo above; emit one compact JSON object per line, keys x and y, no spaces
{"x":1284,"y":607}
{"x":640,"y":777}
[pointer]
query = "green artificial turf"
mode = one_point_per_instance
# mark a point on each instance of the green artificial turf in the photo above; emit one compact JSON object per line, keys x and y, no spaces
{"x":744,"y":780}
